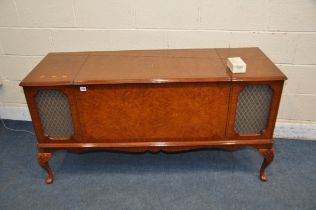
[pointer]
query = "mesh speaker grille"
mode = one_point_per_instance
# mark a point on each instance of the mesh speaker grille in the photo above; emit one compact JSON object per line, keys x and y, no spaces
{"x":54,"y":112}
{"x":253,"y":109}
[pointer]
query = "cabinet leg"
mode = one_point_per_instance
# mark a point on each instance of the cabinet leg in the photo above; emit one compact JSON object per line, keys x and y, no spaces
{"x":43,"y":158}
{"x":268,"y":155}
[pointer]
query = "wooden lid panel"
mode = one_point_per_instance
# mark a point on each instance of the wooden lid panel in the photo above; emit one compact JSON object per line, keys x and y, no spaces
{"x":259,"y":66}
{"x":109,"y":69}
{"x":150,"y":66}
{"x":55,"y":69}
{"x":251,"y":52}
{"x":259,"y":70}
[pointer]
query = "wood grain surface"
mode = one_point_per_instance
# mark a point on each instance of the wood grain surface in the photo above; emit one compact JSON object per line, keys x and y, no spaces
{"x":55,"y":69}
{"x":113,"y":69}
{"x":150,"y":66}
{"x":259,"y":66}
{"x":153,"y":100}
{"x":153,"y":112}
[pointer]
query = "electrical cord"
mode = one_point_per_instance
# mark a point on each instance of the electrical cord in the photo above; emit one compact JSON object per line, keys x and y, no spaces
{"x":16,"y":130}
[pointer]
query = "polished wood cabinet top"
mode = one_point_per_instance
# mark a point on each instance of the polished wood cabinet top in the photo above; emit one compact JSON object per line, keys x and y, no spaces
{"x":150,"y":66}
{"x":259,"y":66}
{"x":55,"y":69}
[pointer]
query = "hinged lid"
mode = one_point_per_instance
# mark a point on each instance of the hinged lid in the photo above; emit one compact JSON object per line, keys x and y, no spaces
{"x":259,"y":66}
{"x":150,"y":66}
{"x":55,"y":69}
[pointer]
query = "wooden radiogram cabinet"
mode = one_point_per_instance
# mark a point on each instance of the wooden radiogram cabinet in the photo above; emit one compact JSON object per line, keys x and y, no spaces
{"x":153,"y":100}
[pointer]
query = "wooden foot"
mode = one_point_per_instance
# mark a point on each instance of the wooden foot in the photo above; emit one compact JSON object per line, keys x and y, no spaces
{"x":43,"y":158}
{"x":268,"y":155}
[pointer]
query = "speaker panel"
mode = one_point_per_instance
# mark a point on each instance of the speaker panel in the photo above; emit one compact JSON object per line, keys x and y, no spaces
{"x":54,"y":112}
{"x":253,"y":107}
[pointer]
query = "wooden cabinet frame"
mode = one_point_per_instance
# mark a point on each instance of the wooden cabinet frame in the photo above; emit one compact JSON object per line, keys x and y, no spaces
{"x":193,"y":93}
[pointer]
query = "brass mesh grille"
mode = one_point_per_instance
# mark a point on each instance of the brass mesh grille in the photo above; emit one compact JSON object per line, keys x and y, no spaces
{"x":253,"y":109}
{"x":54,"y":112}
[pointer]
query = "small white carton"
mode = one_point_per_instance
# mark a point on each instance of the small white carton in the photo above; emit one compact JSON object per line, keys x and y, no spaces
{"x":236,"y":65}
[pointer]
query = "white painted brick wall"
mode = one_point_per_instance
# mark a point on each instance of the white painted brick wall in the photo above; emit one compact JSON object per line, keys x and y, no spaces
{"x":301,"y":79}
{"x":8,"y":13}
{"x":292,"y":15}
{"x":20,"y":41}
{"x":11,"y":92}
{"x":280,"y":47}
{"x":14,"y":111}
{"x":298,"y":107}
{"x":175,"y":14}
{"x":105,"y":14}
{"x":234,"y":15}
{"x":45,"y":13}
{"x":284,"y":29}
{"x":15,"y":67}
{"x":198,"y":39}
{"x":306,"y":49}
{"x":91,"y":39}
{"x":137,"y":39}
{"x":79,"y":40}
{"x":1,"y":49}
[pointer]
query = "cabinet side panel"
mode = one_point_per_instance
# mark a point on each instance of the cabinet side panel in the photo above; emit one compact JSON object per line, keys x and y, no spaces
{"x":29,"y":93}
{"x":153,"y":112}
{"x":253,"y":109}
{"x":54,"y":110}
{"x":53,"y":113}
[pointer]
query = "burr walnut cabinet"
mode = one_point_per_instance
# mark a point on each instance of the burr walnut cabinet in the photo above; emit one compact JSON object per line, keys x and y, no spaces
{"x":153,"y":100}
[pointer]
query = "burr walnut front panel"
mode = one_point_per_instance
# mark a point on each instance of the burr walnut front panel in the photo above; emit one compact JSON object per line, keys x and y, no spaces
{"x":153,"y":112}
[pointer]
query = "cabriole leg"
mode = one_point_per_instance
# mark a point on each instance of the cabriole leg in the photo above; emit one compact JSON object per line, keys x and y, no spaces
{"x":43,"y":158}
{"x":268,"y":155}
